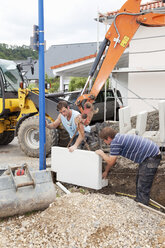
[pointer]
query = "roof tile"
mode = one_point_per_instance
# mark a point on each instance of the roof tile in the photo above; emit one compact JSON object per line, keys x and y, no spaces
{"x":146,"y":6}
{"x":74,"y":61}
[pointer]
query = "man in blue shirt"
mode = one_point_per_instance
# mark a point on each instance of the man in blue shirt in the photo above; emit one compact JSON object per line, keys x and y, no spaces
{"x":138,"y":149}
{"x":70,"y":119}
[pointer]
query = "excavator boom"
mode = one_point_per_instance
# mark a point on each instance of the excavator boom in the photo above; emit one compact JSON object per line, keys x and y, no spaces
{"x":117,"y":38}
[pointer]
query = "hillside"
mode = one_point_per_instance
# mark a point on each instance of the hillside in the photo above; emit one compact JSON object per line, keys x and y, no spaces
{"x":16,"y":52}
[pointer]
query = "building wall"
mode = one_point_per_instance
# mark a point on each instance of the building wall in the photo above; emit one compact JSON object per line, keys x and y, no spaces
{"x":121,"y":83}
{"x":64,"y":83}
{"x":147,"y":51}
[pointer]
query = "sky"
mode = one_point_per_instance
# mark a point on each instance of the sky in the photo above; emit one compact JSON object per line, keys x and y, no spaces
{"x":65,"y":21}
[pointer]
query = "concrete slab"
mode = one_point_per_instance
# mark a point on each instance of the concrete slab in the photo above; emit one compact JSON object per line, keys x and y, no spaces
{"x":158,"y":136}
{"x":82,"y":168}
{"x":141,"y":122}
{"x":124,"y":120}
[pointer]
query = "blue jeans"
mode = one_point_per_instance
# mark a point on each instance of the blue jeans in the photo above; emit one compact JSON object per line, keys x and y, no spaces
{"x":146,"y":173}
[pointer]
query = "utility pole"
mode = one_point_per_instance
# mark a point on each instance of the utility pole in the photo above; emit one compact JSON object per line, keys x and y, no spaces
{"x":42,"y":136}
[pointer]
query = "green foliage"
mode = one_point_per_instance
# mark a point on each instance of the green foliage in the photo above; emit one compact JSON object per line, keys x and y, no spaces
{"x":55,"y":83}
{"x":16,"y":52}
{"x":32,"y":86}
{"x":76,"y":83}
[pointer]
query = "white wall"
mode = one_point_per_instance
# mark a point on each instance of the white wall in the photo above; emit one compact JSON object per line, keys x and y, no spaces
{"x":122,"y":85}
{"x":147,"y":50}
{"x":64,"y":83}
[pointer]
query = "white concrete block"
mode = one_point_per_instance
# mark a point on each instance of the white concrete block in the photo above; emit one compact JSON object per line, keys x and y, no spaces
{"x":141,"y":122}
{"x":158,"y":136}
{"x":124,"y":120}
{"x":82,"y":168}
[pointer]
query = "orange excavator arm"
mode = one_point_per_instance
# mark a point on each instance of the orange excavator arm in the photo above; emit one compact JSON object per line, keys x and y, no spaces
{"x":117,"y":38}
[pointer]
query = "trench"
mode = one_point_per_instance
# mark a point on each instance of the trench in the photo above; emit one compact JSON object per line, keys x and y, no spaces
{"x":123,"y":180}
{"x":122,"y":177}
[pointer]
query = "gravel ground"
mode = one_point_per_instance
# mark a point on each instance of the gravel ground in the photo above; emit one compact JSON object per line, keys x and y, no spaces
{"x":86,"y":221}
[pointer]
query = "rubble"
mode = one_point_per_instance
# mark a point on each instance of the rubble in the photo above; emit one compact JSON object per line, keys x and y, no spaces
{"x":86,"y":221}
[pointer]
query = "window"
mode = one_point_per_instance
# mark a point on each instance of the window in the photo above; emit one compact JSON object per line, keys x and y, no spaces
{"x":11,"y":75}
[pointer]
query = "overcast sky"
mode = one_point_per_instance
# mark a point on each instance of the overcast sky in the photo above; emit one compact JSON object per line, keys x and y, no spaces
{"x":65,"y":21}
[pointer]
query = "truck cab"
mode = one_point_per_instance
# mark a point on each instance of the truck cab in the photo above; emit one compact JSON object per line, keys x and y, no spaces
{"x":10,"y":79}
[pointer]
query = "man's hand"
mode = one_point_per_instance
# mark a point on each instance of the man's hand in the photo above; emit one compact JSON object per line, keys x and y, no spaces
{"x":104,"y":175}
{"x":46,"y":124}
{"x":55,"y":124}
{"x":72,"y":148}
{"x":99,"y":152}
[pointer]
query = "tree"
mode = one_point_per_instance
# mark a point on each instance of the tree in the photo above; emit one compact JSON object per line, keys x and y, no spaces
{"x":54,"y":82}
{"x":77,"y":83}
{"x":16,"y":52}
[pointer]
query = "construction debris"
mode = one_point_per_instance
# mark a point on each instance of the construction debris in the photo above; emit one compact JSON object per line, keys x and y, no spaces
{"x":86,"y":221}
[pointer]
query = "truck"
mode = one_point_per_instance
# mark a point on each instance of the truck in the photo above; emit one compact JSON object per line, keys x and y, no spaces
{"x":19,"y":111}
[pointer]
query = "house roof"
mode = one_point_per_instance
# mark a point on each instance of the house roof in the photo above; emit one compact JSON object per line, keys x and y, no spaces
{"x":81,"y":67}
{"x":63,"y":54}
{"x":74,"y":61}
{"x":143,"y":7}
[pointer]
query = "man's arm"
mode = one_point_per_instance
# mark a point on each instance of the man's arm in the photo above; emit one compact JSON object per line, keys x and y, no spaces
{"x":80,"y":136}
{"x":54,"y":124}
{"x":111,"y":160}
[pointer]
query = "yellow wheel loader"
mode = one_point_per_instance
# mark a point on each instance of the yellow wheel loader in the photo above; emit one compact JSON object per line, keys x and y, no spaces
{"x":19,"y":112}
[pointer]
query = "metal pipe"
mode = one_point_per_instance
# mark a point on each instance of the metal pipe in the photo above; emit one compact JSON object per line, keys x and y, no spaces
{"x":117,"y":40}
{"x":105,"y":102}
{"x":99,"y":55}
{"x":86,"y":85}
{"x":42,"y":138}
{"x":63,"y":188}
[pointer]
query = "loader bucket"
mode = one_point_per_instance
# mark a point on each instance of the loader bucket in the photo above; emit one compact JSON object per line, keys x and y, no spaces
{"x":34,"y":190}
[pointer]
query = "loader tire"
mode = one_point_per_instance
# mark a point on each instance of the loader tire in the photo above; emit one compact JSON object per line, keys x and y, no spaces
{"x":64,"y":138}
{"x":28,"y":137}
{"x":6,"y":137}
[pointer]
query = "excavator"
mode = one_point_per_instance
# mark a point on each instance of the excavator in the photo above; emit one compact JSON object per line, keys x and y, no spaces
{"x":19,"y":108}
{"x":126,"y":22}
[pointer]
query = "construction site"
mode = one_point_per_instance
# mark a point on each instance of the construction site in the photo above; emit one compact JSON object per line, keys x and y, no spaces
{"x":62,"y":189}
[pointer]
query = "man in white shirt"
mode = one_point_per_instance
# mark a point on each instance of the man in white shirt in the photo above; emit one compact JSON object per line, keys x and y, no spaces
{"x":70,"y":119}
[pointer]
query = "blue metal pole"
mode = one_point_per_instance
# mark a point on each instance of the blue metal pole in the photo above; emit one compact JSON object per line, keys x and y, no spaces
{"x":42,"y":143}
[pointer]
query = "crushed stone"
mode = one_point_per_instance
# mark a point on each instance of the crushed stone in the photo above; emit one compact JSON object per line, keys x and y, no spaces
{"x":86,"y":221}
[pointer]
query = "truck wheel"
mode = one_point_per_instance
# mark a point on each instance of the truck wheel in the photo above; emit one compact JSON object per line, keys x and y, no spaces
{"x":63,"y":137}
{"x":28,"y":137}
{"x":6,"y":137}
